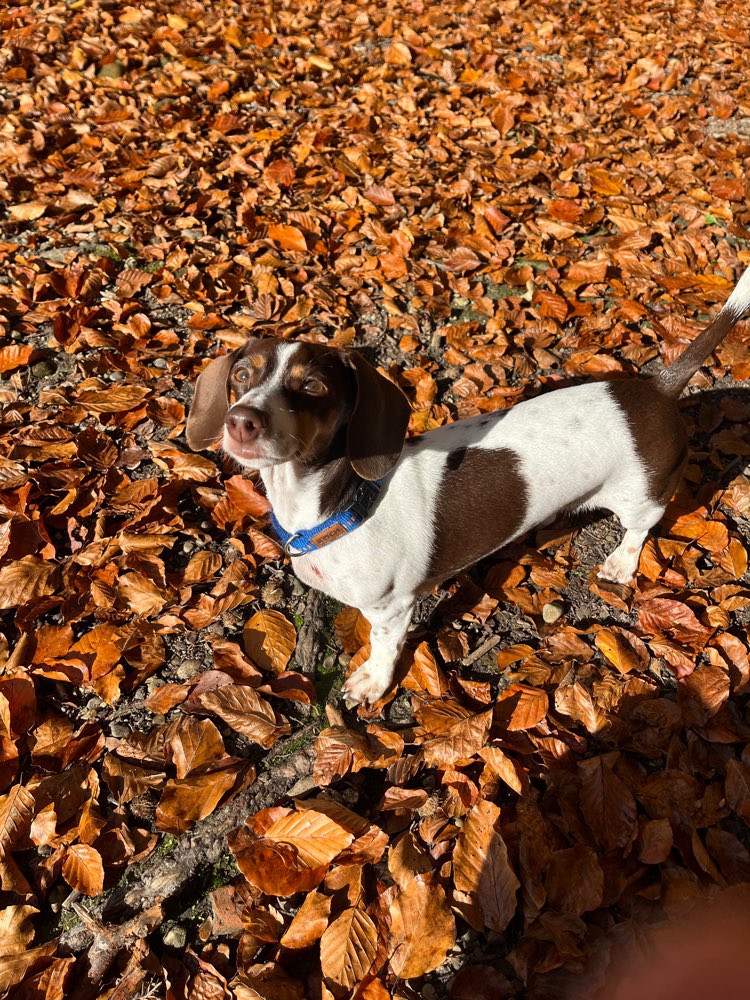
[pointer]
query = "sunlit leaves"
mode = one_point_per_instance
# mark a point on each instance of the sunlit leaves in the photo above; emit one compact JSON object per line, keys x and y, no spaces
{"x":348,"y":947}
{"x":83,"y":870}
{"x":269,"y":639}
{"x":481,"y":867}
{"x":399,"y":178}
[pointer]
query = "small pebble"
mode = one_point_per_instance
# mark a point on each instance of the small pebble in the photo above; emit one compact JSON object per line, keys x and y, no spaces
{"x":119,"y":730}
{"x":159,"y":363}
{"x":329,"y":662}
{"x":273,"y":595}
{"x":552,"y":611}
{"x":298,"y":588}
{"x":187,"y":669}
{"x":175,"y":937}
{"x":112,"y":70}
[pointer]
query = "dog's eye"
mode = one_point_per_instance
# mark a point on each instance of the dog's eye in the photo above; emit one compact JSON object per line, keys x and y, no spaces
{"x":314,"y":387}
{"x":241,"y":375}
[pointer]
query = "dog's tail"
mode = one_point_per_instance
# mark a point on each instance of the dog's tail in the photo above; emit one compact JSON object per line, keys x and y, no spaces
{"x":673,"y":380}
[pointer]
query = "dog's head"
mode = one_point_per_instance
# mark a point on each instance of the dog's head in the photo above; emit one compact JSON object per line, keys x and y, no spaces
{"x":274,"y":401}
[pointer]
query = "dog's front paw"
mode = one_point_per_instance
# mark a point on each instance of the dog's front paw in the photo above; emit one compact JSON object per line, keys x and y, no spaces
{"x":619,"y":567}
{"x":367,"y":684}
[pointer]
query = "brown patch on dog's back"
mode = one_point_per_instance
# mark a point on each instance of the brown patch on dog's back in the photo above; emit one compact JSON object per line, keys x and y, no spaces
{"x":657,"y":430}
{"x":481,"y":505}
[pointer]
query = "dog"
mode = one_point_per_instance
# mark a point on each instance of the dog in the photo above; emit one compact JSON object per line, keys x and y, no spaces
{"x":375,"y":520}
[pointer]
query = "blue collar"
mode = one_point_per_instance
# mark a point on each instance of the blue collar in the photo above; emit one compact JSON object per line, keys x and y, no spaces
{"x":298,"y":543}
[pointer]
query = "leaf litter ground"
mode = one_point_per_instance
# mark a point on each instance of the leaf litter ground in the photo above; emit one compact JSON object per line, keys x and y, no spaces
{"x":488,"y":199}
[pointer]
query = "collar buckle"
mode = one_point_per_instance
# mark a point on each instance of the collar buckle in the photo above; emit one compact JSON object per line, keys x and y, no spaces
{"x":286,"y":546}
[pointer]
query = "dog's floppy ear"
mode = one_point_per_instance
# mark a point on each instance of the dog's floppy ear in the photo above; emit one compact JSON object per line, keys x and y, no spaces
{"x":210,"y":403}
{"x":377,"y":426}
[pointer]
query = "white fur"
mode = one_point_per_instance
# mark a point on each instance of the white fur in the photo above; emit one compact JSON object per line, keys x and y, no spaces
{"x":739,"y":301}
{"x":575,"y":449}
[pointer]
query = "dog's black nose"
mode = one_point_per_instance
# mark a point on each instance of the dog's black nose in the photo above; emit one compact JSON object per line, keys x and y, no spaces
{"x":244,"y":424}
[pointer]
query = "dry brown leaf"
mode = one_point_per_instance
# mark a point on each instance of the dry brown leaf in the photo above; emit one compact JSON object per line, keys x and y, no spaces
{"x":481,"y":867}
{"x":348,"y":948}
{"x":460,"y":742}
{"x":25,"y":579}
{"x":245,"y":711}
{"x":422,"y":928}
{"x":407,"y":859}
{"x":16,"y":930}
{"x":288,"y":237}
{"x":269,"y":639}
{"x":113,"y":399}
{"x":309,"y":922}
{"x":607,"y":804}
{"x":317,"y":837}
{"x":194,"y":743}
{"x":83,"y":869}
{"x":521,"y":707}
{"x":624,"y":650}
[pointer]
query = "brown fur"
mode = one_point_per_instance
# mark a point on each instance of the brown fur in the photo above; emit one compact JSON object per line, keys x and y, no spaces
{"x":481,"y":505}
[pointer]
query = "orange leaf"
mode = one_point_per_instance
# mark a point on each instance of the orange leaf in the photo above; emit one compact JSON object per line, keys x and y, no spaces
{"x":604,"y":183}
{"x":460,"y":742}
{"x":113,"y":399}
{"x":422,"y":928}
{"x":481,"y":867}
{"x":246,"y":712}
{"x":521,"y":707}
{"x":25,"y":579}
{"x":83,"y":869}
{"x":352,"y":630}
{"x":269,"y":640}
{"x":662,"y":614}
{"x":314,"y":830}
{"x":14,"y":356}
{"x":273,"y":867}
{"x":183,"y":803}
{"x":348,"y":948}
{"x":309,"y":922}
{"x":624,"y":650}
{"x":194,"y":742}
{"x":424,"y":673}
{"x":379,"y":195}
{"x":288,"y":237}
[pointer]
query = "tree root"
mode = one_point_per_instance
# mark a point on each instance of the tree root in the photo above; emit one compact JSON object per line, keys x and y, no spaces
{"x":133,"y":909}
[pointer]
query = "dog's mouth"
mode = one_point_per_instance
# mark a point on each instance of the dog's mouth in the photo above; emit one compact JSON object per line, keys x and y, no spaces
{"x":253,"y":454}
